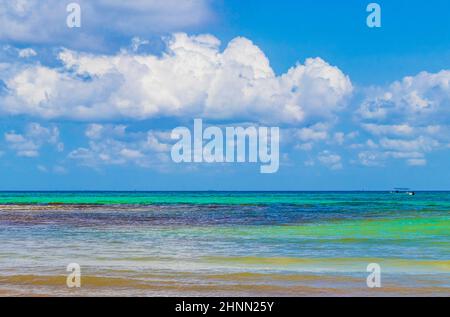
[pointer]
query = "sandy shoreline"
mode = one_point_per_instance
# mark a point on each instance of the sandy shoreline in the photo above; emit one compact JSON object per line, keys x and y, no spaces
{"x":208,"y":285}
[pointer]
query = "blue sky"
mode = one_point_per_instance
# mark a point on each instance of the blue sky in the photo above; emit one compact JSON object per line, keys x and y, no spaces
{"x":92,"y":108}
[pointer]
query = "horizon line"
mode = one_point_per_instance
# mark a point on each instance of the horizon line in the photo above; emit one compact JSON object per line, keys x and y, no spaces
{"x":214,"y":190}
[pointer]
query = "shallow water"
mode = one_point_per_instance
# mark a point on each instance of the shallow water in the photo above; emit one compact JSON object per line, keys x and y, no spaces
{"x":221,"y":243}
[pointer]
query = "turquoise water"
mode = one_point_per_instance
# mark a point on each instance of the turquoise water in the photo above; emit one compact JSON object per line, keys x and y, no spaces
{"x":344,"y":199}
{"x":225,"y":243}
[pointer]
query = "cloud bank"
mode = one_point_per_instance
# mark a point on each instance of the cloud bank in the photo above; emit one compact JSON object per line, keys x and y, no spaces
{"x":35,"y":136}
{"x":407,"y":119}
{"x":197,"y":77}
{"x":192,"y":78}
{"x":44,"y":22}
{"x":114,"y":145}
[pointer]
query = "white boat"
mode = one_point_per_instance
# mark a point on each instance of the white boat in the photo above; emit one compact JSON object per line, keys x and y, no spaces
{"x":403,"y":191}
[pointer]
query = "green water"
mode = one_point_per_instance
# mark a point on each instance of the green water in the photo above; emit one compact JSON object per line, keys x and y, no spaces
{"x":331,"y":235}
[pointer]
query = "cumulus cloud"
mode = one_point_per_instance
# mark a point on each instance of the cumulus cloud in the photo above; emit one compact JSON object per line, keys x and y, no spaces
{"x":417,"y":100}
{"x":192,"y":78}
{"x":27,"y":52}
{"x":98,"y":131}
{"x":368,"y":158}
{"x":308,"y":136}
{"x":421,"y":144}
{"x":316,"y":132}
{"x":331,"y":160}
{"x":10,"y":54}
{"x":413,"y":151}
{"x":113,"y":145}
{"x":44,"y":22}
{"x":321,"y":134}
{"x":35,"y":136}
{"x":408,"y":119}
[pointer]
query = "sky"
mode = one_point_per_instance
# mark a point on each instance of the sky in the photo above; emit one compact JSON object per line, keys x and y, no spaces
{"x":92,"y":108}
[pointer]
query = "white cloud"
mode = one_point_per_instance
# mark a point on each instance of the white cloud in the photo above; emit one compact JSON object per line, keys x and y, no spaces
{"x":10,"y":53}
{"x":368,"y":158}
{"x":340,"y":138}
{"x":415,"y":100}
{"x":137,"y":42}
{"x":317,"y":132}
{"x":57,"y":169}
{"x":421,"y":144}
{"x":316,"y":135}
{"x":382,"y":129}
{"x":309,"y":136}
{"x":97,"y":131}
{"x":331,"y":160}
{"x":305,"y":146}
{"x":113,"y":145}
{"x":409,"y":118}
{"x":417,"y":162}
{"x":26,"y":53}
{"x":34,"y":137}
{"x":192,"y":78}
{"x":44,"y":22}
{"x":379,"y":157}
{"x":412,"y":150}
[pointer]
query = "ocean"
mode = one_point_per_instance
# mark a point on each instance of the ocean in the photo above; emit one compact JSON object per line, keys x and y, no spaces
{"x":224,"y":243}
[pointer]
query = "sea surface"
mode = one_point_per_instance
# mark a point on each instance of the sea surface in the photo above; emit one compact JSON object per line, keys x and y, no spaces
{"x":224,"y":243}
